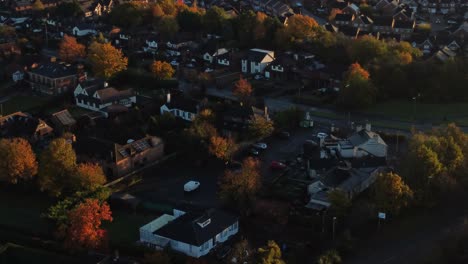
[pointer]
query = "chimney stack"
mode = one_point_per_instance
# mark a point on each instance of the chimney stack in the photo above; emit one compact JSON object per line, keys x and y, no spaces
{"x":168,"y":98}
{"x":368,"y":126}
{"x":106,"y":84}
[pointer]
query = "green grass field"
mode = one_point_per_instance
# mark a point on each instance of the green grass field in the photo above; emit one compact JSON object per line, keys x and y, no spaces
{"x":124,"y":229}
{"x":23,"y":103}
{"x":421,"y":111}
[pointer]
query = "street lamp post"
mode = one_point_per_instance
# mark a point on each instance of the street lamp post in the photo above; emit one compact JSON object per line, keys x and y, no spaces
{"x":333,"y":227}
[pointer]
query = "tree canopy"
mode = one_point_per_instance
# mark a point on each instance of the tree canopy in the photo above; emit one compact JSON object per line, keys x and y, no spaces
{"x":18,"y":160}
{"x":270,"y":254}
{"x":391,"y":194}
{"x":162,"y":70}
{"x":106,"y":60}
{"x":70,"y":50}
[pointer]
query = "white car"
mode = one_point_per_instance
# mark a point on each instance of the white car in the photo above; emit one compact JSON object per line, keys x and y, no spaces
{"x":208,"y":70}
{"x":260,"y":145}
{"x":322,"y":135}
{"x":191,"y":186}
{"x":258,"y":77}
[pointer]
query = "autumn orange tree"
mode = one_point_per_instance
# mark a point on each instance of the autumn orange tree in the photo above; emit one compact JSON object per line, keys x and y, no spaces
{"x":260,"y":127}
{"x":84,"y":228}
{"x":299,"y":28}
{"x":357,"y":90}
{"x":222,"y":148}
{"x":162,"y":70}
{"x":391,"y":194}
{"x":57,"y":164}
{"x":18,"y":161}
{"x":89,"y":176}
{"x":243,"y":90}
{"x":70,"y":49}
{"x":239,"y":188}
{"x":106,"y":60}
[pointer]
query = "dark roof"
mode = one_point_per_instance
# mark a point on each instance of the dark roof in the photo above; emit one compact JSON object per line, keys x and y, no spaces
{"x":404,"y":24}
{"x":187,"y":229}
{"x":344,"y":17}
{"x":63,"y":118}
{"x":257,"y":54}
{"x":383,"y":21}
{"x":182,"y":103}
{"x":349,"y":31}
{"x":54,"y":70}
{"x":22,"y":125}
{"x":331,"y":28}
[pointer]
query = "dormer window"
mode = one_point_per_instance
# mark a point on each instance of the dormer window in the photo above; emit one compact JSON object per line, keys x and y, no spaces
{"x":204,"y":223}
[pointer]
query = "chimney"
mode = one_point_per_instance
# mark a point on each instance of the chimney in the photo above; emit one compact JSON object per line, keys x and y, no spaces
{"x":106,"y":84}
{"x":53,"y":59}
{"x":368,"y":127}
{"x":358,"y":128}
{"x":168,"y":98}
{"x":265,"y":112}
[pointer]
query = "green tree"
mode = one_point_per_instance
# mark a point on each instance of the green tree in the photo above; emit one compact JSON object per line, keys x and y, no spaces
{"x":340,"y":203}
{"x":366,"y":49}
{"x":329,"y":257}
{"x":18,"y":160}
{"x":68,"y":9}
{"x":270,"y":254}
{"x":260,"y":127}
{"x":89,"y":176}
{"x":241,"y":252}
{"x":168,"y":26}
{"x":189,"y":21}
{"x":106,"y":60}
{"x":126,"y":15}
{"x":214,"y":20}
{"x":289,"y":118}
{"x":357,"y":90}
{"x":391,"y":194}
{"x":57,"y":163}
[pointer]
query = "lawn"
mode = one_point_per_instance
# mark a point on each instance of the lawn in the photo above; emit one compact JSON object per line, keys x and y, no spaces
{"x":22,"y":212}
{"x":124,"y":229}
{"x":12,"y":253}
{"x":24,"y":103}
{"x":425,"y":112}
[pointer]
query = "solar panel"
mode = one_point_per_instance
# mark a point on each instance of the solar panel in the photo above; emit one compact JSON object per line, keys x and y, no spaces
{"x":140,"y":145}
{"x":123,"y":152}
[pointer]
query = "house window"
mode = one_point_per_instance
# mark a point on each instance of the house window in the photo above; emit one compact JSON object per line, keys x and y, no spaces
{"x":205,"y":246}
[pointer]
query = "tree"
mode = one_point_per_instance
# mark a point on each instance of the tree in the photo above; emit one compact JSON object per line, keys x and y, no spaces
{"x":214,"y":20}
{"x":270,"y":254}
{"x":70,"y":49}
{"x":329,"y":257}
{"x":18,"y":160}
{"x":162,"y":70}
{"x":357,"y":90}
{"x":333,"y":13}
{"x":168,"y":26}
{"x":239,"y":188}
{"x":157,"y":11}
{"x":242,"y":90}
{"x":84,"y":229}
{"x":57,"y":163}
{"x":391,"y":194}
{"x":366,"y":49}
{"x":157,"y":257}
{"x":7,"y":31}
{"x":340,"y":203}
{"x":126,"y":15}
{"x":241,"y":252}
{"x":202,"y":127}
{"x":89,"y":176}
{"x":299,"y":29}
{"x":106,"y":60}
{"x":260,"y":127}
{"x":289,"y":119}
{"x":71,"y":9}
{"x":168,"y":7}
{"x":38,"y":5}
{"x":189,"y":21}
{"x":222,"y":148}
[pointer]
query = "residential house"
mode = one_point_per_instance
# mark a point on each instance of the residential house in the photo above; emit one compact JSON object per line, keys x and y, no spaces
{"x":363,"y":22}
{"x":91,"y":8}
{"x":234,"y":119}
{"x":423,"y":43}
{"x":350,"y":32}
{"x":383,"y":25}
{"x":181,"y":107}
{"x":212,"y":57}
{"x":53,"y":78}
{"x":404,"y":28}
{"x":256,"y":61}
{"x":63,"y":121}
{"x":224,"y":59}
{"x":351,"y":9}
{"x":363,"y":142}
{"x":175,"y":47}
{"x":120,"y":159}
{"x":24,"y":125}
{"x":193,"y":234}
{"x":95,"y":95}
{"x":404,"y":13}
{"x":344,"y":19}
{"x":82,"y":30}
{"x":26,"y":6}
{"x":448,"y":6}
{"x":351,"y":181}
{"x":151,"y":44}
{"x":282,"y":68}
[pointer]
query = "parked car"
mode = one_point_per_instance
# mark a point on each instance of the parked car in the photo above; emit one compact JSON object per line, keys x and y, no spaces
{"x":191,"y":186}
{"x":276,"y":165}
{"x":258,"y":77}
{"x":260,"y":145}
{"x":174,"y":63}
{"x":322,"y":135}
{"x":284,"y":135}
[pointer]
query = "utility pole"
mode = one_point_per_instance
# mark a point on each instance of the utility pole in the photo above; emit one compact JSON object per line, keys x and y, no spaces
{"x":333,"y":227}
